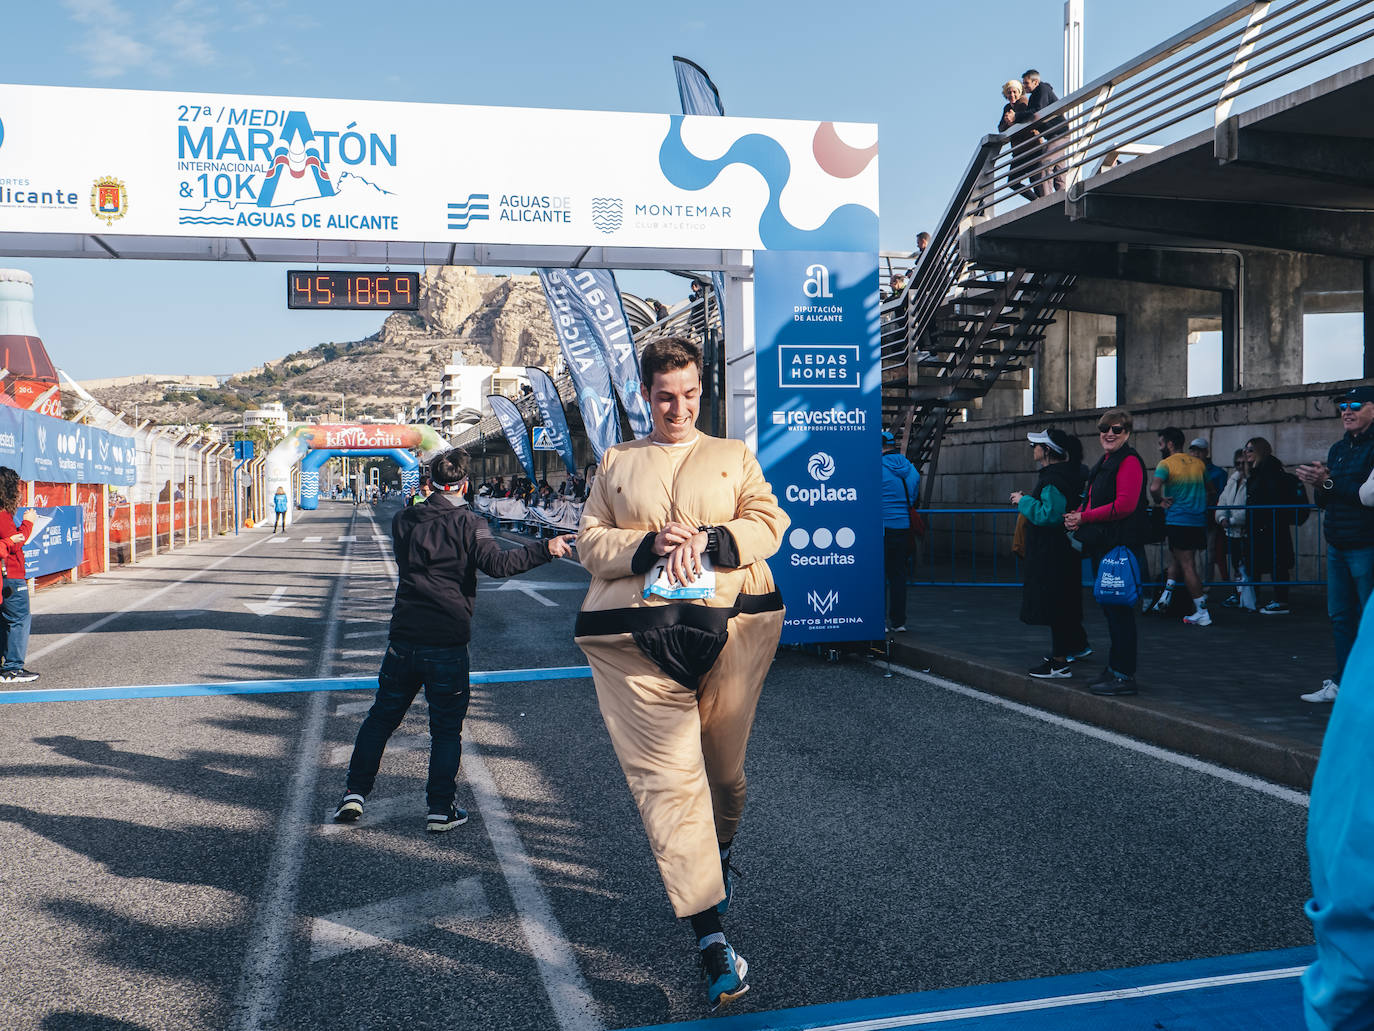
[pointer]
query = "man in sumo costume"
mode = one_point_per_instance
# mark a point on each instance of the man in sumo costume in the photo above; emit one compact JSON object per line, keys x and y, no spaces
{"x":680,"y":625}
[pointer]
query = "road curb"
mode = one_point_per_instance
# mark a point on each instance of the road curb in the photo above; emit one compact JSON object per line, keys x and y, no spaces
{"x":1273,"y":757}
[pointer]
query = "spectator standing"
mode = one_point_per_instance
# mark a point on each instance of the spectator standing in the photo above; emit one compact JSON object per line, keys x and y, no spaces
{"x":1270,"y":529}
{"x":439,"y":548}
{"x":901,"y":489}
{"x":423,"y":492}
{"x":1216,"y":483}
{"x":279,"y":504}
{"x":1053,"y":592}
{"x":1341,"y":487}
{"x":1231,"y":518}
{"x":1024,"y":145}
{"x":1052,"y":133}
{"x":1113,"y":514}
{"x":1180,"y":482}
{"x":922,"y":242}
{"x":16,"y":617}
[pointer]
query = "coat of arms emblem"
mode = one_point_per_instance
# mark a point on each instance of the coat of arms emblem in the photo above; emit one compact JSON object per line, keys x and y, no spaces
{"x":109,"y":199}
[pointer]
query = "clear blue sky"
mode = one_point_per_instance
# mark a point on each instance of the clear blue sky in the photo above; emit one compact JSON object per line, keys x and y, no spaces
{"x":929,"y":73}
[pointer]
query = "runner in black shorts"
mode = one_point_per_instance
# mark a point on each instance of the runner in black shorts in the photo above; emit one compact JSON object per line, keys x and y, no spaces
{"x":1180,"y":482}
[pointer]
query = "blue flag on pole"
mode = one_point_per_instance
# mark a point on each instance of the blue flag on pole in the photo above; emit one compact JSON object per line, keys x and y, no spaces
{"x":592,"y":293}
{"x":699,"y":94}
{"x":587,"y":365}
{"x":514,"y":427}
{"x":554,"y":419}
{"x":700,"y":97}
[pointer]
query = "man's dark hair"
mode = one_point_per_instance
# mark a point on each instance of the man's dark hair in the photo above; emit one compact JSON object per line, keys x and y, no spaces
{"x":1029,"y":72}
{"x":449,"y":468}
{"x":667,"y":354}
{"x":1173,"y":435}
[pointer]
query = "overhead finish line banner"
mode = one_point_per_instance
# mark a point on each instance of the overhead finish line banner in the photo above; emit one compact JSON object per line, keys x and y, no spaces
{"x":186,"y":164}
{"x":820,"y":437}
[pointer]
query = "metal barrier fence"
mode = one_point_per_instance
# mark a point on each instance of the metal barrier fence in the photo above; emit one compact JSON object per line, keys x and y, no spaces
{"x":971,"y":547}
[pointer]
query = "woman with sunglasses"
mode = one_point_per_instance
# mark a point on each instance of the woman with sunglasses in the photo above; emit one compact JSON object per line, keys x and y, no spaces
{"x":1114,"y":514}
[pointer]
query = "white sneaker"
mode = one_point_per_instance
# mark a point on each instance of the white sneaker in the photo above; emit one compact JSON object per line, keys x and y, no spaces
{"x":1327,"y":693}
{"x":1162,"y":603}
{"x":1199,"y":618}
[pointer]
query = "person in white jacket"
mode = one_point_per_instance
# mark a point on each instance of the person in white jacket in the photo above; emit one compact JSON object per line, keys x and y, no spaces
{"x":1230,"y":516}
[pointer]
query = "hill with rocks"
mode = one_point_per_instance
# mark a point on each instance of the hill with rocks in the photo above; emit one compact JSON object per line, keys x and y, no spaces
{"x":486,"y":319}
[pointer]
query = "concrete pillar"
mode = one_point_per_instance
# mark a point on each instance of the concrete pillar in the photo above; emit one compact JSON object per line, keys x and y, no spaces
{"x":1086,"y":329}
{"x":1271,"y":348}
{"x":1052,"y":369}
{"x":1152,"y":348}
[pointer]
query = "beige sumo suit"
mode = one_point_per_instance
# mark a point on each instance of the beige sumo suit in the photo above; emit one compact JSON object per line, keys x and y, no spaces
{"x":678,"y":680}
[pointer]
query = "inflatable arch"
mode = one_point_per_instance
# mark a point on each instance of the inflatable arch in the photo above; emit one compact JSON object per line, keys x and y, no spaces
{"x":312,"y":446}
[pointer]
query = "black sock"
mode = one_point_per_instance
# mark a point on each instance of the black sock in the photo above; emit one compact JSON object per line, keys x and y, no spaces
{"x":705,"y":923}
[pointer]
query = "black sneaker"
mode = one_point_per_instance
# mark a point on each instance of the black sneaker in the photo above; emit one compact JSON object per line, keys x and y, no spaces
{"x":1050,"y":670}
{"x":17,"y":676}
{"x":437,"y":823}
{"x":1113,"y":685}
{"x":349,"y":809}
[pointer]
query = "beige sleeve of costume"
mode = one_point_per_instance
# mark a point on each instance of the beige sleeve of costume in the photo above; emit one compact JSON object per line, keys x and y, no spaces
{"x":604,"y":549}
{"x":759,"y":522}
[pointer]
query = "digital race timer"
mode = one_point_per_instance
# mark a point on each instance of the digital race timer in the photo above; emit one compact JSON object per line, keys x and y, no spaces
{"x":383,"y":291}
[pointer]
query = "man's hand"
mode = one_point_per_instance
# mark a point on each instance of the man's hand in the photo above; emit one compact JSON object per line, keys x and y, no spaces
{"x":671,"y":536}
{"x":1072,"y":520}
{"x":29,"y":516}
{"x":1166,"y":503}
{"x":1313,"y":473}
{"x":684,"y":562}
{"x":1016,"y":496}
{"x":561,"y":546}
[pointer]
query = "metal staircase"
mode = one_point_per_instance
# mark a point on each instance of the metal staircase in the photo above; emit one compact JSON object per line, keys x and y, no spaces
{"x":948,"y":337}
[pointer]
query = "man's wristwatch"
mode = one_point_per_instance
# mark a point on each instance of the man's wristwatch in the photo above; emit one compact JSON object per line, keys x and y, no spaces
{"x":1328,"y":484}
{"x":712,"y":539}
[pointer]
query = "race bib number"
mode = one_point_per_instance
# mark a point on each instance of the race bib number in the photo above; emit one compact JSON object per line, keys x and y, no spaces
{"x":704,"y":586}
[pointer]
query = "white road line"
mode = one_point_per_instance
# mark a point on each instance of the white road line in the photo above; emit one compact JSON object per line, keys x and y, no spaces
{"x":398,"y":744}
{"x":568,"y":993}
{"x":351,"y":652}
{"x":259,"y":990}
{"x":347,"y":539}
{"x":367,"y":633}
{"x":380,"y":537}
{"x":1062,"y":1001}
{"x":143,"y":599}
{"x":274,"y":539}
{"x":363,"y":927}
{"x":313,"y":540}
{"x":1186,"y":761}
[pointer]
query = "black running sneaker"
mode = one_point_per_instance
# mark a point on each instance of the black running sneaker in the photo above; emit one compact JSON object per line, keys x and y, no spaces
{"x":437,"y":823}
{"x":349,"y":809}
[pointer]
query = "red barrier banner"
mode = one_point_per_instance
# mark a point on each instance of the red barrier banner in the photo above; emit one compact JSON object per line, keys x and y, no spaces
{"x":93,"y":529}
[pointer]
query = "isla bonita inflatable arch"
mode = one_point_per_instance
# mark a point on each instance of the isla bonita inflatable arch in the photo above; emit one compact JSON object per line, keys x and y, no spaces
{"x":312,"y":446}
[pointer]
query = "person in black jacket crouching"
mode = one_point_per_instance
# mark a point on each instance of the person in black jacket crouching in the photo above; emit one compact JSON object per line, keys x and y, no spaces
{"x":439,"y":547}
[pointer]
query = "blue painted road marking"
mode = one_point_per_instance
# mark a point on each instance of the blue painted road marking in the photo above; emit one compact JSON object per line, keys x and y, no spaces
{"x":1257,"y":991}
{"x":94,"y":694}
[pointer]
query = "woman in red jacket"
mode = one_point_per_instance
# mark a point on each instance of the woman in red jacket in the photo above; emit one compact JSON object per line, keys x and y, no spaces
{"x":15,"y":617}
{"x":1114,"y":514}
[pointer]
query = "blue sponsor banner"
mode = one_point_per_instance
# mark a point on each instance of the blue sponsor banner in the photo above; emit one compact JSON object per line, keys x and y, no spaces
{"x":586,"y":364}
{"x":554,"y":418}
{"x":57,"y":540}
{"x":592,"y":293}
{"x":12,"y":438}
{"x":513,"y":425}
{"x":820,"y":437}
{"x":48,"y":450}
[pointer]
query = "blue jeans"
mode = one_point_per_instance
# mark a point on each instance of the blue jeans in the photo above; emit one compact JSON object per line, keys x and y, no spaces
{"x":1349,"y":583}
{"x":443,"y":673}
{"x":16,"y":619}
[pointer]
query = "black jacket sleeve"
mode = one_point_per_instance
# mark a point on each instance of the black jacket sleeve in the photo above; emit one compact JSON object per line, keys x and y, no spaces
{"x":497,"y":561}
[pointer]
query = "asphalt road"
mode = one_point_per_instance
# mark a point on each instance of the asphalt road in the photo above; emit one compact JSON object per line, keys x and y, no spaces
{"x":168,"y":863}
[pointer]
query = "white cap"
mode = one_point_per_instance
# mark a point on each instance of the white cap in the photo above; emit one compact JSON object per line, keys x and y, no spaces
{"x":1199,"y":442}
{"x":1043,"y":438}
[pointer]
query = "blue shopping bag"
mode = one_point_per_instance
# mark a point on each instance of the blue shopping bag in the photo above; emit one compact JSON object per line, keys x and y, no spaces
{"x":1118,"y":578}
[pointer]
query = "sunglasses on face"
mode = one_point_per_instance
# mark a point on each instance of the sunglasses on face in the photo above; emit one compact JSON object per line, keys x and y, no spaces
{"x":1115,"y":428}
{"x":1350,"y":406}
